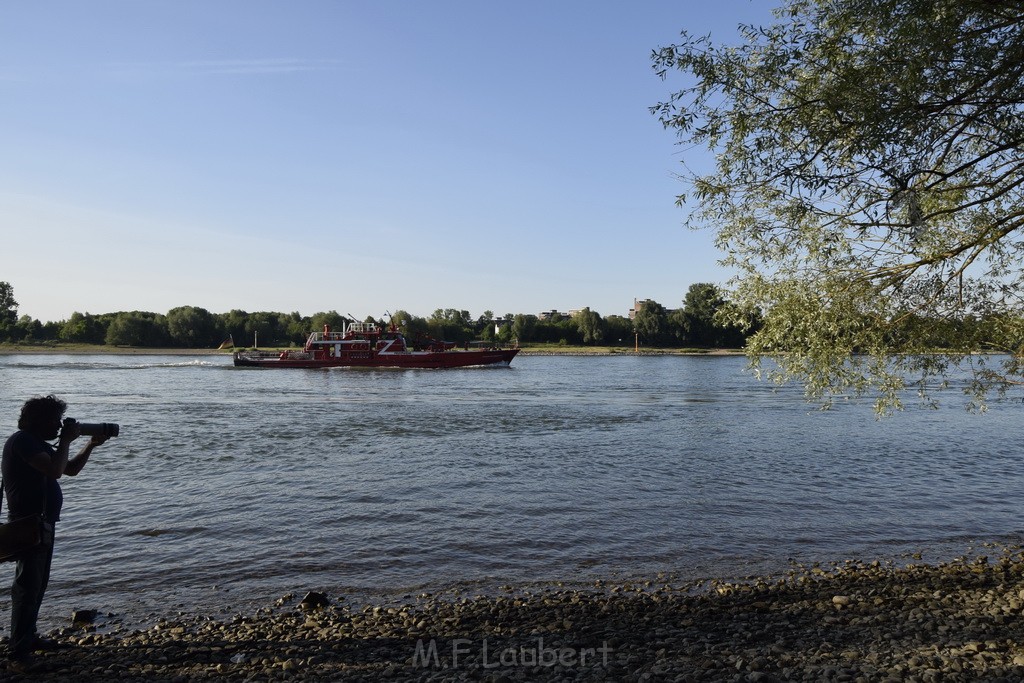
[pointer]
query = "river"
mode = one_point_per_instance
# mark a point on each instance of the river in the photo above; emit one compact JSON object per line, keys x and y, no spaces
{"x":230,"y":487}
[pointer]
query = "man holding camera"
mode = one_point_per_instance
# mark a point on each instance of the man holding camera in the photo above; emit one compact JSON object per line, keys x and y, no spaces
{"x":31,"y":468}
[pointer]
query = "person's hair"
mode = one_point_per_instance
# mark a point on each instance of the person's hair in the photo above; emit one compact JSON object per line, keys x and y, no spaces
{"x":40,"y":409}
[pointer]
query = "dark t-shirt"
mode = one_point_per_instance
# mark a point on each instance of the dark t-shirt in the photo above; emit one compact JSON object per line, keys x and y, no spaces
{"x":28,"y":490}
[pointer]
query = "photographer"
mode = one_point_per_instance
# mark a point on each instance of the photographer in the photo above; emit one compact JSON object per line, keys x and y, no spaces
{"x":31,"y":468}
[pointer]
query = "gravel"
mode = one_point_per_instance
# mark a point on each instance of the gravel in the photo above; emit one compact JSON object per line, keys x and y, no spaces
{"x":851,"y":621}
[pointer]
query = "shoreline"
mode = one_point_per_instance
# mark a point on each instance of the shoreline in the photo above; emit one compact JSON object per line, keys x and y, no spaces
{"x":871,"y":621}
{"x":77,"y":350}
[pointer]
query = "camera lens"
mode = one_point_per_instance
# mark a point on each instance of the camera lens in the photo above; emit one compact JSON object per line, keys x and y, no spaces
{"x":99,"y":429}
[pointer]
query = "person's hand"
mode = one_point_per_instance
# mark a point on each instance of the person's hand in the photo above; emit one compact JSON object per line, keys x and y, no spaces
{"x":70,"y":430}
{"x":98,"y":440}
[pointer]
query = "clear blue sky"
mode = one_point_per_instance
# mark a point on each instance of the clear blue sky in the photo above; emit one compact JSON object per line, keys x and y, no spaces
{"x":340,"y":155}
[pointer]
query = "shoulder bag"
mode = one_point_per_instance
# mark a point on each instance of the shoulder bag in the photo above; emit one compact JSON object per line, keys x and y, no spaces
{"x":19,"y":535}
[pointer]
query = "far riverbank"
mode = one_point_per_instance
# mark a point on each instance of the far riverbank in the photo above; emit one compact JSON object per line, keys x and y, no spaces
{"x":92,"y":349}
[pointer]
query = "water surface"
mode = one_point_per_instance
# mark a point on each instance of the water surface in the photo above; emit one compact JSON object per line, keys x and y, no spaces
{"x":230,"y":487}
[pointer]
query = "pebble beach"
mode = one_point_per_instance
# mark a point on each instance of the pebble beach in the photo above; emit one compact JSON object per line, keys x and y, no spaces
{"x":850,"y":621}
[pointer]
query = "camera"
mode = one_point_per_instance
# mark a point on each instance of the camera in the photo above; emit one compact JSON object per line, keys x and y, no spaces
{"x":98,"y":429}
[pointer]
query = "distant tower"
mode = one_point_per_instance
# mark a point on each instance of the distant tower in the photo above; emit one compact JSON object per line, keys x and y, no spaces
{"x":637,"y":305}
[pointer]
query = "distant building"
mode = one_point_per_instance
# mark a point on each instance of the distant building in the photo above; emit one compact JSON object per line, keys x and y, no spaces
{"x":548,"y":315}
{"x":639,"y":303}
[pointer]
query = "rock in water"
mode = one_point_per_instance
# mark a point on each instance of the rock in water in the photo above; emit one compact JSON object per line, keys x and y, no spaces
{"x":84,"y":616}
{"x":314,"y":600}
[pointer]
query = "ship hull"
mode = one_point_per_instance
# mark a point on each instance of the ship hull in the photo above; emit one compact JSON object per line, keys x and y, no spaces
{"x":408,"y":359}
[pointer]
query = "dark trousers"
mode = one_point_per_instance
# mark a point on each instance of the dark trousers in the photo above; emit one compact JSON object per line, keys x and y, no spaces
{"x":30,"y":579}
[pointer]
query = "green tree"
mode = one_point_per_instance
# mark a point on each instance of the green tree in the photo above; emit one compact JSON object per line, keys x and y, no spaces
{"x":590,"y":326}
{"x":50,"y":331}
{"x":271,"y":328}
{"x":524,"y":326}
{"x":486,"y":320}
{"x":8,"y":306}
{"x":233,"y":323}
{"x":451,"y":325}
{"x":868,"y":171}
{"x":137,"y":329}
{"x":414,"y":327}
{"x":619,"y":330}
{"x":333,"y":319}
{"x":124,"y":330}
{"x":192,"y":327}
{"x":558,"y":330}
{"x":295,"y":328}
{"x":84,"y":328}
{"x":700,"y":304}
{"x":651,"y":323}
{"x":710,"y":320}
{"x":26,"y":329}
{"x":679,"y":327}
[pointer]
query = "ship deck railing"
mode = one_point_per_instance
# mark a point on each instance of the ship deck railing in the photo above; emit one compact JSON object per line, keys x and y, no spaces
{"x":290,"y":354}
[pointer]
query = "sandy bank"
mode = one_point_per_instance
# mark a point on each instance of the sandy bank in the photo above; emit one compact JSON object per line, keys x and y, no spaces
{"x":959,"y":621}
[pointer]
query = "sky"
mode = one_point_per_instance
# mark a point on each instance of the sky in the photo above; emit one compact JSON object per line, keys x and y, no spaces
{"x":356,"y":156}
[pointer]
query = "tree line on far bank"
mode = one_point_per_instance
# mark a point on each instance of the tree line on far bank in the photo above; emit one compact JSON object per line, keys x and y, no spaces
{"x":699,"y":323}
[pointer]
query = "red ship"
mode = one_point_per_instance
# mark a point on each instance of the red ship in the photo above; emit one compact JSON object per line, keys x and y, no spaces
{"x":367,"y":345}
